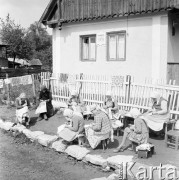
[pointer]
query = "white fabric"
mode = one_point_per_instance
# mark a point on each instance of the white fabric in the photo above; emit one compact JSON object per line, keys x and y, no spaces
{"x":42,"y":108}
{"x":60,"y":128}
{"x":58,"y":105}
{"x":67,"y":134}
{"x":144,"y":147}
{"x":155,"y":126}
{"x":21,"y":113}
{"x":77,"y":151}
{"x":177,"y":125}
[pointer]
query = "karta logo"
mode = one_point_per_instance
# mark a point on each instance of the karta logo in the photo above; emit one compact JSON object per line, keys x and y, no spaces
{"x":147,"y":173}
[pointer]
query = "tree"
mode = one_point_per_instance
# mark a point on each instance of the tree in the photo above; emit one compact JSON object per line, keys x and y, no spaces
{"x":42,"y":44}
{"x":14,"y":35}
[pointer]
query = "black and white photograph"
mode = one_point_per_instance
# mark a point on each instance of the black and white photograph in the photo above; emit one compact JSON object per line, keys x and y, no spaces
{"x":89,"y":89}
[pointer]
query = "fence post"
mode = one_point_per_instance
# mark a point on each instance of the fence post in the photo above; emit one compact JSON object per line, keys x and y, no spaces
{"x":128,"y":79}
{"x":33,"y":85}
{"x":8,"y":89}
{"x":81,"y":83}
{"x":50,"y":75}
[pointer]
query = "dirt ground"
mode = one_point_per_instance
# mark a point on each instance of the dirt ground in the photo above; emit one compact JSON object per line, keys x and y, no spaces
{"x":22,"y":160}
{"x":163,"y":155}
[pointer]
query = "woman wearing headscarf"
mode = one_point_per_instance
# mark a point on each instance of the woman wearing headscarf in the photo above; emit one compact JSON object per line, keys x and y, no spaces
{"x":110,"y":105}
{"x":74,"y":126}
{"x":136,"y":133}
{"x":45,"y":108}
{"x":100,"y":129}
{"x":158,"y":114}
{"x":22,"y":112}
{"x":75,"y":102}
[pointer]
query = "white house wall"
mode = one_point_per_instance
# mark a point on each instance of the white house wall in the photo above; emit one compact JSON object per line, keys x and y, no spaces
{"x":146,"y":48}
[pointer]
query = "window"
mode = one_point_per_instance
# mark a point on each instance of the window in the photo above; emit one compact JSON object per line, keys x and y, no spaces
{"x":88,"y":48}
{"x":116,"y":46}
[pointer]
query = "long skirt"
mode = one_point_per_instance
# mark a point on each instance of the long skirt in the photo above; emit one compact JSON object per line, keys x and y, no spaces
{"x":138,"y":138}
{"x":94,"y":139}
{"x":21,"y":114}
{"x":156,"y":121}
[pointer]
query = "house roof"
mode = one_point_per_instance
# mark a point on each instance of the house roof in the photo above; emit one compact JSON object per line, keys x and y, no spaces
{"x":19,"y":61}
{"x":66,"y":11}
{"x":35,"y":62}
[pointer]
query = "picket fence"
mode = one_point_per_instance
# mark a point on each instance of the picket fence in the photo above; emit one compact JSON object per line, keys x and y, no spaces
{"x":92,"y":88}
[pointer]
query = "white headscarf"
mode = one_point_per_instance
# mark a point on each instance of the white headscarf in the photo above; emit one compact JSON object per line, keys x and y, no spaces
{"x":134,"y":112}
{"x":108,"y":93}
{"x":74,"y":93}
{"x":155,"y":95}
{"x":68,"y":113}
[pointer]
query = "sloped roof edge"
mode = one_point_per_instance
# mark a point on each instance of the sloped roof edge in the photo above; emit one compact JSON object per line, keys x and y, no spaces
{"x":47,"y":11}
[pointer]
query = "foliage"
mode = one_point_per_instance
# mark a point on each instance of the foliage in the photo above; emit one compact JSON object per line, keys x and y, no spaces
{"x":14,"y":35}
{"x":42,"y":44}
{"x":33,"y":43}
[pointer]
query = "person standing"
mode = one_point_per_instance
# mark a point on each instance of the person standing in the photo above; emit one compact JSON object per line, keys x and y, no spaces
{"x":45,"y":108}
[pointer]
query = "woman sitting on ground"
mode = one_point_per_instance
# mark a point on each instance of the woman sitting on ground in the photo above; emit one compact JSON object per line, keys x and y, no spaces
{"x":76,"y":103}
{"x":137,"y":133}
{"x":22,"y":109}
{"x":74,"y":127}
{"x":158,"y":114}
{"x":100,"y":129}
{"x":45,"y":108}
{"x":110,"y":105}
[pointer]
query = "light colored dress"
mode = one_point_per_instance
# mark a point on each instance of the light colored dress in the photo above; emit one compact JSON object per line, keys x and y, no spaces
{"x":140,"y":134}
{"x":22,"y":112}
{"x":100,"y":130}
{"x":156,"y":121}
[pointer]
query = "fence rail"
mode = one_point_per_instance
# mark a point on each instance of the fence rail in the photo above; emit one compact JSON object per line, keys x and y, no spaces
{"x":92,"y":89}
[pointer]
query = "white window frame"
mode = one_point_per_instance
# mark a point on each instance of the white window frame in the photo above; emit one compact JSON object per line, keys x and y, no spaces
{"x":89,"y":48}
{"x":117,"y":34}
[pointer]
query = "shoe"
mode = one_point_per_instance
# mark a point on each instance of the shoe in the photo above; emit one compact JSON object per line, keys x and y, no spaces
{"x":118,"y":150}
{"x":130,"y":149}
{"x":39,"y":118}
{"x":45,"y":117}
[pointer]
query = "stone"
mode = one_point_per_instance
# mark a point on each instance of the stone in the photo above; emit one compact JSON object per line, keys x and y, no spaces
{"x":46,"y":139}
{"x":113,"y":177}
{"x":26,"y":132}
{"x":77,"y":151}
{"x":18,"y":128}
{"x":59,"y":146}
{"x":116,"y":161}
{"x":6,"y":125}
{"x":96,"y":159}
{"x":33,"y":135}
{"x":102,"y":178}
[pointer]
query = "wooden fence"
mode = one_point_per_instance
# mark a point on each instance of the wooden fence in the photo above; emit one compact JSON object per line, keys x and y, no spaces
{"x":11,"y":72}
{"x":93,"y":88}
